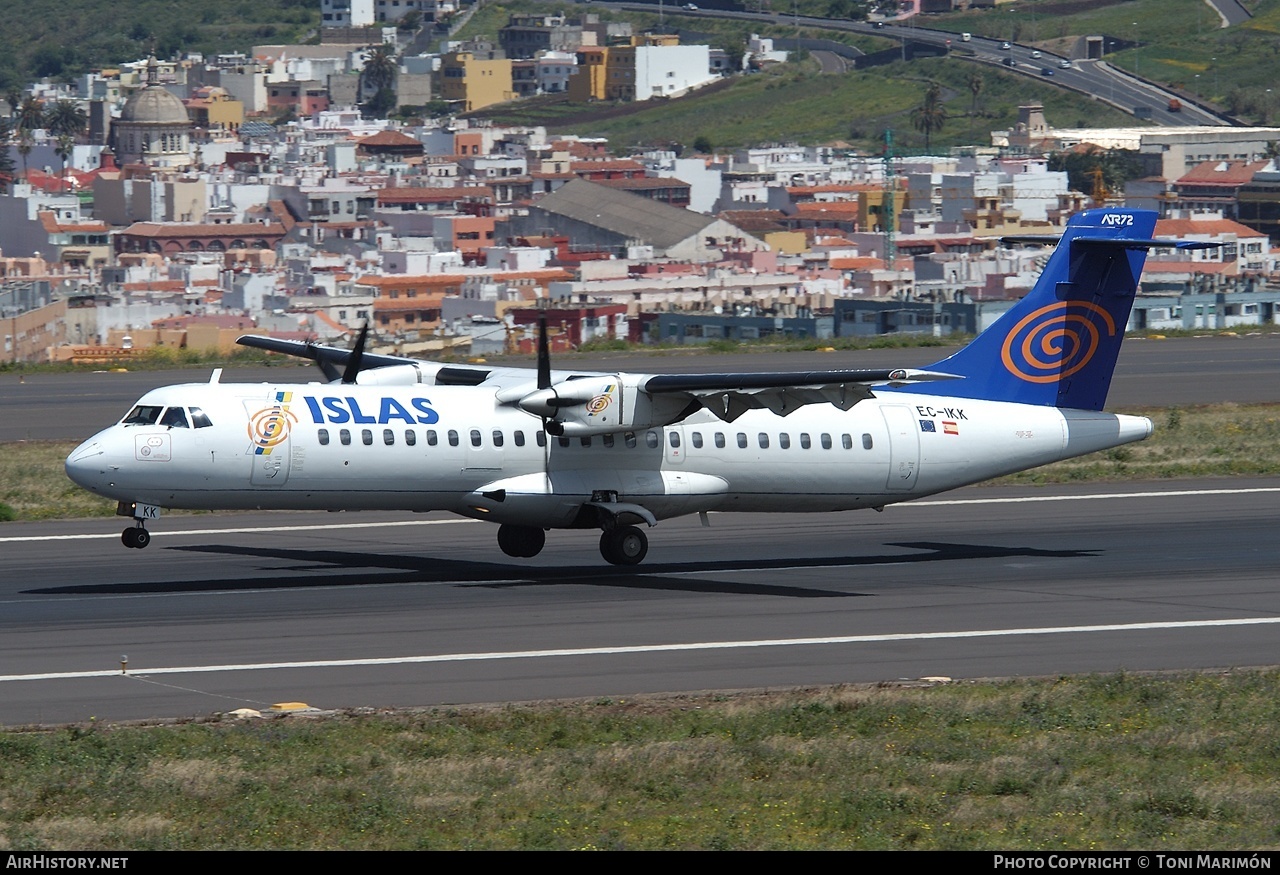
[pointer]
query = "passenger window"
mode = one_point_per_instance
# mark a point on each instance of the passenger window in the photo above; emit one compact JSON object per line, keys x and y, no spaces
{"x":826,"y":441}
{"x":585,"y":441}
{"x":497,"y":438}
{"x":199,"y":418}
{"x":388,"y":436}
{"x":366,"y":437}
{"x":784,"y":441}
{"x":453,"y":438}
{"x":143,"y":414}
{"x":805,"y":443}
{"x":323,"y":435}
{"x":345,"y":437}
{"x":866,"y":441}
{"x":475,"y":437}
{"x":410,"y":436}
{"x":432,"y":437}
{"x":696,"y":438}
{"x":518,"y":437}
{"x":742,"y":440}
{"x":651,"y":439}
{"x":846,"y":441}
{"x":607,"y":440}
{"x":674,"y":439}
{"x":175,"y":417}
{"x":630,"y":440}
{"x":720,"y":439}
{"x":764,"y":441}
{"x":540,"y":438}
{"x":562,"y":441}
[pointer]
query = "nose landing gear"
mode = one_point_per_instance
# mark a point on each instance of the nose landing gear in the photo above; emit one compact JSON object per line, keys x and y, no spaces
{"x":137,"y":536}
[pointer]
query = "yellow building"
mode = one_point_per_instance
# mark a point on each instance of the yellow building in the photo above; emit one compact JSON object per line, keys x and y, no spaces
{"x":469,"y":83}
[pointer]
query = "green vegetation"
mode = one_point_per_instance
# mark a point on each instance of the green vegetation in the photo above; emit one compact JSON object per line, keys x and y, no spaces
{"x":1108,"y":762}
{"x":66,"y":39}
{"x":1178,"y":42}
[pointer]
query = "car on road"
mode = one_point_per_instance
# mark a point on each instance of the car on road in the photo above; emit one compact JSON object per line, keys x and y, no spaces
{"x":1064,"y":64}
{"x":1004,"y":47}
{"x":1035,"y":54}
{"x":1009,"y":62}
{"x":1045,"y":71}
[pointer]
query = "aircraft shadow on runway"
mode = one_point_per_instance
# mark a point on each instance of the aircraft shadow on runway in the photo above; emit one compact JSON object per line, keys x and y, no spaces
{"x":315,"y":566}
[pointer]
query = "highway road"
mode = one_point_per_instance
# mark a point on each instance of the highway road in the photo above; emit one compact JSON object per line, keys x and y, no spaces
{"x":1091,"y":77}
{"x":380,"y":610}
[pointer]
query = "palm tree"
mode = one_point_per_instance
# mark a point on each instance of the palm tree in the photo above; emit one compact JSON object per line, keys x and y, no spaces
{"x":931,"y":115}
{"x":975,"y":83}
{"x":6,"y":159}
{"x":64,"y":146}
{"x":30,"y":115}
{"x":66,"y":117}
{"x":379,"y":70}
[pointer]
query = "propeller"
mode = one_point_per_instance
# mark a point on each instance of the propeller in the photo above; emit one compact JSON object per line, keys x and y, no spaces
{"x":550,"y":426}
{"x":357,"y":357}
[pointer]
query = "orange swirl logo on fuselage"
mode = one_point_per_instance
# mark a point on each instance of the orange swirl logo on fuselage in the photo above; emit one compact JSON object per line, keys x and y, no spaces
{"x":1056,"y":341}
{"x":269,"y":427}
{"x":599,"y":403}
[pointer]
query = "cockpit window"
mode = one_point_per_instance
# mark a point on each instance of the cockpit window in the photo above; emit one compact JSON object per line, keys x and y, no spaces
{"x":143,"y":414}
{"x":199,"y":418}
{"x":175,"y":417}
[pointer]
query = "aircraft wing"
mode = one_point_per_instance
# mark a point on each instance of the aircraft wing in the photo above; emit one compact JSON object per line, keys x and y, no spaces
{"x":332,"y":361}
{"x":728,"y":396}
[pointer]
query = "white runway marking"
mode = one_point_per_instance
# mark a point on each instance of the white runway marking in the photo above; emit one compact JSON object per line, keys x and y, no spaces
{"x":650,"y":648}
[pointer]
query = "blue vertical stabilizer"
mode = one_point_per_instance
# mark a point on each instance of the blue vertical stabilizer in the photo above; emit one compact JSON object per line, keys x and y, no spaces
{"x":1058,"y":345}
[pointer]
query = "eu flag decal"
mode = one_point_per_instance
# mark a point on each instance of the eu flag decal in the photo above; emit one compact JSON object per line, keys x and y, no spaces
{"x":927,"y":425}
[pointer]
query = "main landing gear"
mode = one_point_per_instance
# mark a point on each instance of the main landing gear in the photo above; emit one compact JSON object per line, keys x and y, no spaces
{"x":136,"y":536}
{"x":522,"y":542}
{"x":622,"y":545}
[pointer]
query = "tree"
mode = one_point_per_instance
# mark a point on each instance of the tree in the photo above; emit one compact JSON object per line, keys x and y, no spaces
{"x":379,"y":70}
{"x":929,"y":117}
{"x":702,"y":145}
{"x":30,"y":115}
{"x":66,"y":117}
{"x":63,"y":149}
{"x":975,"y":83}
{"x":6,"y":158}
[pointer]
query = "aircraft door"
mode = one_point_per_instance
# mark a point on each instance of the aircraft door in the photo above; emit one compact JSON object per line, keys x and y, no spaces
{"x":904,"y":447}
{"x":674,"y":436}
{"x":270,"y":423}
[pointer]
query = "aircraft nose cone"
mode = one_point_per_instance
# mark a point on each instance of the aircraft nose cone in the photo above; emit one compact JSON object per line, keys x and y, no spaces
{"x":85,"y":464}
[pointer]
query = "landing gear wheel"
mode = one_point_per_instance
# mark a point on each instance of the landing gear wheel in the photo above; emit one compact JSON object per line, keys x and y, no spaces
{"x":136,"y":537}
{"x":522,"y":542}
{"x":624,"y":546}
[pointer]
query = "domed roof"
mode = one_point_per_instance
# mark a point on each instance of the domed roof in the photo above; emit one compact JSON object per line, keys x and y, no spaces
{"x":155,"y":105}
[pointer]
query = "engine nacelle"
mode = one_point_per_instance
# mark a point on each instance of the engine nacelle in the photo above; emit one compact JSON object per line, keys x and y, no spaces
{"x":392,"y":375}
{"x":606,"y":404}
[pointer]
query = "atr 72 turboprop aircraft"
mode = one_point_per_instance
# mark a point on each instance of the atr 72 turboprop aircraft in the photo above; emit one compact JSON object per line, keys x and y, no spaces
{"x":534,"y":450}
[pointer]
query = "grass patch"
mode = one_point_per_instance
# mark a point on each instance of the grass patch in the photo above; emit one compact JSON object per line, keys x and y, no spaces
{"x":1115,"y":762}
{"x":34,"y":484}
{"x":1219,"y":440}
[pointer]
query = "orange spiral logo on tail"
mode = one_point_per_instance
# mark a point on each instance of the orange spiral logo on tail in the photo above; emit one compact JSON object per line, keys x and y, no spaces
{"x":1055,"y":341}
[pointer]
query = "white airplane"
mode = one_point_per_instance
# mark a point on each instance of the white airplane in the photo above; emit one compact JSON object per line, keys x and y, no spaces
{"x":534,"y":450}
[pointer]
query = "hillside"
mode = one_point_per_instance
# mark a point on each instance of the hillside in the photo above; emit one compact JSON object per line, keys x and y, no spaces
{"x":64,"y":38}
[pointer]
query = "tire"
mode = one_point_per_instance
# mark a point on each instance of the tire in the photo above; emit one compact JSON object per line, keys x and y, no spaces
{"x":521,"y":542}
{"x":624,"y":546}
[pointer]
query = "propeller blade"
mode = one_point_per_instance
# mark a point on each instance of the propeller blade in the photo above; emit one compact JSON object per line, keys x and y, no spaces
{"x":544,"y":354}
{"x":357,"y":357}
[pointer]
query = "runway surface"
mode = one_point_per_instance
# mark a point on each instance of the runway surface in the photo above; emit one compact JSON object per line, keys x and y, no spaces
{"x":380,"y":610}
{"x":343,"y":611}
